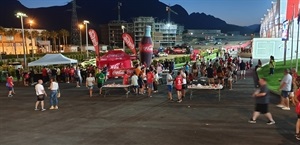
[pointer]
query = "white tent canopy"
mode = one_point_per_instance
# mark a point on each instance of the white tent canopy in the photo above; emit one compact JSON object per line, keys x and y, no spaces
{"x":52,"y":59}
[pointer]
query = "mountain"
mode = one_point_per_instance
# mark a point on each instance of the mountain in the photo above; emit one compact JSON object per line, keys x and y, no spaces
{"x":101,"y":12}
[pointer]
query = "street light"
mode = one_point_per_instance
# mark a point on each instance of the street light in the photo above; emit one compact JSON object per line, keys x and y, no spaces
{"x":123,"y":27}
{"x":85,"y":22}
{"x":21,"y":15}
{"x":30,"y":24}
{"x":80,"y":28}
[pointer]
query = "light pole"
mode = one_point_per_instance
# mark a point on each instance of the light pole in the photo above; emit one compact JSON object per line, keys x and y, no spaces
{"x":80,"y":37}
{"x":85,"y":22}
{"x":30,"y":24}
{"x":123,"y":27}
{"x":21,"y":15}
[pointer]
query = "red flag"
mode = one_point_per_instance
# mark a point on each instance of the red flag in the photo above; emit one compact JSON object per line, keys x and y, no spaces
{"x":129,"y":42}
{"x":94,"y":38}
{"x":292,"y":9}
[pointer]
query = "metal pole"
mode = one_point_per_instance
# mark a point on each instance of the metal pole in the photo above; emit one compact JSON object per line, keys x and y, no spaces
{"x":123,"y":40}
{"x":32,"y":54}
{"x":23,"y":38}
{"x":292,"y":37}
{"x":284,"y":57}
{"x":86,"y":40}
{"x":297,"y":46}
{"x":80,"y":37}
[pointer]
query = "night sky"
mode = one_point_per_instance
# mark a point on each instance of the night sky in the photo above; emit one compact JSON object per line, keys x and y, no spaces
{"x":238,"y":12}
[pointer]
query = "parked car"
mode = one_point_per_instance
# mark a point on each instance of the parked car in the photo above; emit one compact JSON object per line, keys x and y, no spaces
{"x":162,"y":54}
{"x":179,"y":51}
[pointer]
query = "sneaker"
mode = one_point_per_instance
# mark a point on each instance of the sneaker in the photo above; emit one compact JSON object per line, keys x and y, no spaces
{"x":280,"y":106}
{"x":56,"y":107}
{"x":43,"y":110}
{"x":298,"y":137}
{"x":9,"y":95}
{"x":271,"y":122}
{"x":286,"y":108}
{"x":127,"y":92}
{"x":252,"y":121}
{"x":36,"y":109}
{"x":179,"y":101}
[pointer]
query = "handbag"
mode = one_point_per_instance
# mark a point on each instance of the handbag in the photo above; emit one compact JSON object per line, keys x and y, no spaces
{"x":58,"y":94}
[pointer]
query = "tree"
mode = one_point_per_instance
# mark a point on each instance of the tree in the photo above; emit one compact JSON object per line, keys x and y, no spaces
{"x":54,"y":36}
{"x":64,"y":34}
{"x":35,"y":34}
{"x":12,"y":33}
{"x":2,"y":34}
{"x":45,"y":35}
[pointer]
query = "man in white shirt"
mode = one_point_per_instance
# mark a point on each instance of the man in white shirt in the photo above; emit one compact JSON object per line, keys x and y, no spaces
{"x":134,"y":82}
{"x":40,"y":93}
{"x":170,"y":85}
{"x":285,"y":87}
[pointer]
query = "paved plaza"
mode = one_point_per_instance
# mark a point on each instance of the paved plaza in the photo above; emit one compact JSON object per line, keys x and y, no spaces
{"x":139,"y":120}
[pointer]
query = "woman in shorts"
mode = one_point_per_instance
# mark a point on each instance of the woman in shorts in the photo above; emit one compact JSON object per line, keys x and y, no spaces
{"x":90,"y":81}
{"x":178,"y":86}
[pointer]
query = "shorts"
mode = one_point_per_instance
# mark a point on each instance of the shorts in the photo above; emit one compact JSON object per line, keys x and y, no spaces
{"x":135,"y":87}
{"x":90,"y":87}
{"x":178,"y":90}
{"x":9,"y":88}
{"x":262,"y":108}
{"x":40,"y":97}
{"x":150,"y":85}
{"x":285,"y":94}
{"x":184,"y":86}
{"x":298,"y":116}
{"x":170,"y":88}
{"x":100,"y":85}
{"x":211,"y":79}
{"x":243,"y":72}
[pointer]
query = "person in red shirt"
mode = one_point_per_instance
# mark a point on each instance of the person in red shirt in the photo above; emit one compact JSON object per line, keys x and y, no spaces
{"x":45,"y":74}
{"x":72,"y":73}
{"x":10,"y":85}
{"x":126,"y":81}
{"x":150,"y":80}
{"x":178,"y":86}
{"x":296,"y":100}
{"x":67,"y":74}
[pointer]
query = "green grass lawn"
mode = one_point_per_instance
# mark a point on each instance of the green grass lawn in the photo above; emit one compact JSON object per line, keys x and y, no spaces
{"x":273,"y":80}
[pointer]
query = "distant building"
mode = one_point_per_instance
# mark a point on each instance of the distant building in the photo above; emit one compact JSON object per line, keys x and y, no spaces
{"x":13,"y":44}
{"x":115,"y":31}
{"x":139,"y":25}
{"x":163,"y":34}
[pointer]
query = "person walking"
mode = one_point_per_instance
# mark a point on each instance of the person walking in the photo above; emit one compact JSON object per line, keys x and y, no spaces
{"x":78,"y":77}
{"x":90,"y":81}
{"x":150,"y":80}
{"x":53,"y":96}
{"x":285,"y":87}
{"x":242,"y":70}
{"x":169,"y":81}
{"x":10,"y":85}
{"x":134,"y":82}
{"x":262,"y":99}
{"x":41,"y":94}
{"x":100,"y":78}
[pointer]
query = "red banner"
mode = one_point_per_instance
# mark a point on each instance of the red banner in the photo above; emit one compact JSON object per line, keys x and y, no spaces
{"x":129,"y":42}
{"x":292,"y":9}
{"x":94,"y":38}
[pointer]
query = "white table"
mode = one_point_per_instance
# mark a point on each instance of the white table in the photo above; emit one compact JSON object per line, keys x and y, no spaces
{"x":218,"y":87}
{"x":110,"y":87}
